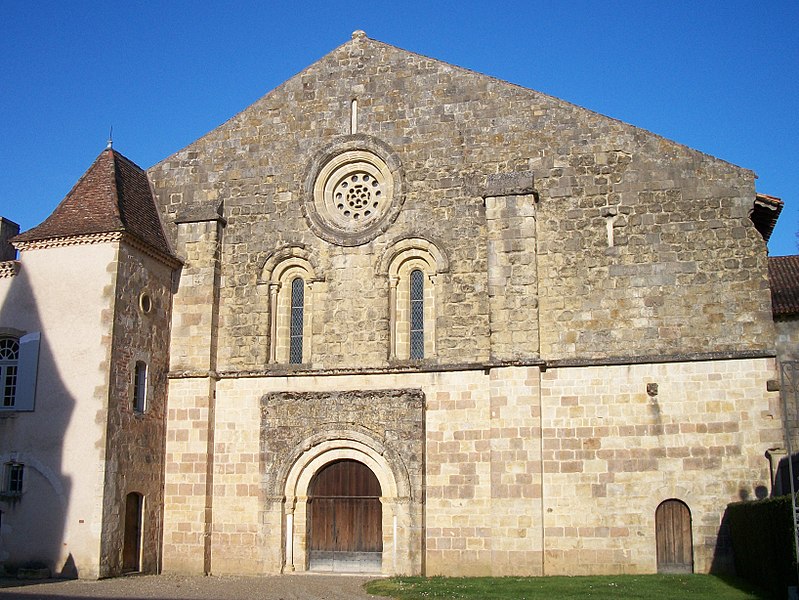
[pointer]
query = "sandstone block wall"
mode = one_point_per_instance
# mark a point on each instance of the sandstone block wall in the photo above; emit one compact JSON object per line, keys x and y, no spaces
{"x":526,"y":472}
{"x":188,"y":489}
{"x":570,"y":240}
{"x":613,"y":451}
{"x":189,"y":476}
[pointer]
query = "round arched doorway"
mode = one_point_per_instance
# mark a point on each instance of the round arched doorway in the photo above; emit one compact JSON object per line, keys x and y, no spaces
{"x":345,"y":531}
{"x":675,"y":549}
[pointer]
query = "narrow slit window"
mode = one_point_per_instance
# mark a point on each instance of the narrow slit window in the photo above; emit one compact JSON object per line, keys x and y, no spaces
{"x":140,"y":386}
{"x":417,"y":315}
{"x":297,"y":310}
{"x":9,"y":359}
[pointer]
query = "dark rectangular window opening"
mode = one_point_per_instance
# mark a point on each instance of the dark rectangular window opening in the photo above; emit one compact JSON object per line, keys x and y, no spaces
{"x":14,"y":477}
{"x":140,"y":387}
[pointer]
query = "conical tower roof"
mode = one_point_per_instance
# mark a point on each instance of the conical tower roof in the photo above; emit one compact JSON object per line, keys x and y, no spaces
{"x":113,"y":195}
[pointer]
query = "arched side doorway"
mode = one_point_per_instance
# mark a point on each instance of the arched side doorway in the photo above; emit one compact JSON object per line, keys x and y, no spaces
{"x":131,"y":547}
{"x":344,"y":516}
{"x":675,"y":549}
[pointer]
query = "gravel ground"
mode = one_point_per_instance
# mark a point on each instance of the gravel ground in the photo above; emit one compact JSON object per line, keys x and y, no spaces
{"x":170,"y":587}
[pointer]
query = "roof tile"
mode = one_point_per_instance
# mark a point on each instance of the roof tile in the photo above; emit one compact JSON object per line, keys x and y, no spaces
{"x":113,"y":195}
{"x":783,"y":273}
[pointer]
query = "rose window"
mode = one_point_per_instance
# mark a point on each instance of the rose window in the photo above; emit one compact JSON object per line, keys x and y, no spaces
{"x":353,"y":195}
{"x":353,"y":191}
{"x":358,"y":196}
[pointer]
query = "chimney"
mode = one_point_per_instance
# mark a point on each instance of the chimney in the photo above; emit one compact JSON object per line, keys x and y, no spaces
{"x":8,"y":229}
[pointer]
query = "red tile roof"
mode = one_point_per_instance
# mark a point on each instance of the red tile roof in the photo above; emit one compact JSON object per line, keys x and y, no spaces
{"x":783,"y":274}
{"x":113,"y":195}
{"x":765,"y":211}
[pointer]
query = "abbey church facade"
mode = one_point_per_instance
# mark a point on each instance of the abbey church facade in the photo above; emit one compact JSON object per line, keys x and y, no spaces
{"x":395,"y":317}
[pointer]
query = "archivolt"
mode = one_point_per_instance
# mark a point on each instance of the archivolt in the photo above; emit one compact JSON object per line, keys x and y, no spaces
{"x":321,"y":449}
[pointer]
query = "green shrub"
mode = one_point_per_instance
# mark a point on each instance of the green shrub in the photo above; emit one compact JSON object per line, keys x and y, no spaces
{"x":763,"y":543}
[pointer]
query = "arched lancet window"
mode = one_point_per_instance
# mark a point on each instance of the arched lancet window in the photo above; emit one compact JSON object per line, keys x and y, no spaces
{"x":297,"y":319}
{"x":291,"y":278}
{"x":417,"y":314}
{"x":9,"y":358}
{"x":413,"y":266}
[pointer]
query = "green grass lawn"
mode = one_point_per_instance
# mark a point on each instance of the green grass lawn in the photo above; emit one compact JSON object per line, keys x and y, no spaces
{"x":649,"y":587}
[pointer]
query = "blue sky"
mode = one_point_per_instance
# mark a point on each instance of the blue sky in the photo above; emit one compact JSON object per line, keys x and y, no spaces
{"x":719,"y":76}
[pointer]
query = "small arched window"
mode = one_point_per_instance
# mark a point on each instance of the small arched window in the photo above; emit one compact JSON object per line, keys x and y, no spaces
{"x":291,"y":278}
{"x":140,"y":387}
{"x":297,"y":318}
{"x":417,"y":314}
{"x":412,"y":266}
{"x":9,"y":359}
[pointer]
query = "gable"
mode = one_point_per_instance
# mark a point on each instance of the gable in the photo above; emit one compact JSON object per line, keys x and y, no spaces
{"x":595,"y":221}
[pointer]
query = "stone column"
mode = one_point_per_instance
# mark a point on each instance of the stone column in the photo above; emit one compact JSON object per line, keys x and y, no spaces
{"x":274,"y":288}
{"x":392,"y":317}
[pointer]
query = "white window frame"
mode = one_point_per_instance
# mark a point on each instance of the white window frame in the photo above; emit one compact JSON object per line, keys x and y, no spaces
{"x":26,"y":367}
{"x":8,"y":478}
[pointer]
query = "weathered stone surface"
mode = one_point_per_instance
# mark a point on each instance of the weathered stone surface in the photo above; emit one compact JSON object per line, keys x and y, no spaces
{"x":509,"y":184}
{"x":635,"y":240}
{"x":291,"y":422}
{"x":134,"y":458}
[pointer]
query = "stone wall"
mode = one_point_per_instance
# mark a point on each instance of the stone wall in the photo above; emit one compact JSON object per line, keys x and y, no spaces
{"x":636,"y":237}
{"x":189,"y":478}
{"x":618,"y":441}
{"x":787,"y":352}
{"x":135,"y":440}
{"x":526,"y":472}
{"x":482,"y":469}
{"x":595,"y":257}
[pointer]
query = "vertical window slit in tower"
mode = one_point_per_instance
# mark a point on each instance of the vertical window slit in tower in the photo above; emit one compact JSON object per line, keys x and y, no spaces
{"x":354,"y":116}
{"x":140,"y":386}
{"x":297,"y":309}
{"x":417,"y":315}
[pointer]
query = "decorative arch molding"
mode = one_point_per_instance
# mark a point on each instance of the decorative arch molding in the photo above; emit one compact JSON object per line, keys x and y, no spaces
{"x":341,"y":436}
{"x":279,"y":271}
{"x":276,"y":264}
{"x":419,"y":247}
{"x":382,"y":429}
{"x":397,"y":509}
{"x":310,"y":462}
{"x":412,"y":329}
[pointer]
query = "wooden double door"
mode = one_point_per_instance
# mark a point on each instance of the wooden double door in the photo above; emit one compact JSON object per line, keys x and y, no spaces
{"x":345,"y":518}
